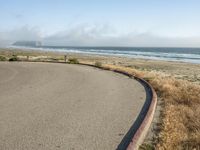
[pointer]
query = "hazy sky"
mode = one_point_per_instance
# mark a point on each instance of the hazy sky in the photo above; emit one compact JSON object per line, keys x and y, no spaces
{"x":102,"y":22}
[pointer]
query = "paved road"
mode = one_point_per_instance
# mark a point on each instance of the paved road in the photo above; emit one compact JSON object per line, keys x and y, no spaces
{"x":65,"y":107}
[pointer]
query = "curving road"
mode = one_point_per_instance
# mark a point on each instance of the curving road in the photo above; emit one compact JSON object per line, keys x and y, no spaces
{"x":47,"y":106}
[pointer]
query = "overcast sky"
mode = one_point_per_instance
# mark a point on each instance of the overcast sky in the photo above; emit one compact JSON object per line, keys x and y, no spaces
{"x":102,"y":22}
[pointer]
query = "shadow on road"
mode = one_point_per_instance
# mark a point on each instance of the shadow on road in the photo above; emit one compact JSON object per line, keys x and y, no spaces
{"x":132,"y":131}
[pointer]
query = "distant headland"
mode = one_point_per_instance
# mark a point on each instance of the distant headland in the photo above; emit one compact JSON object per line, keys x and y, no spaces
{"x":28,"y":43}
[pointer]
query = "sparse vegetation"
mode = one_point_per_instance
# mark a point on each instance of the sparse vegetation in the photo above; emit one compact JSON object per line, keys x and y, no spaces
{"x":2,"y":58}
{"x":13,"y":58}
{"x":53,"y":59}
{"x":98,"y":64}
{"x":146,"y":146}
{"x":180,"y":118}
{"x":73,"y":61}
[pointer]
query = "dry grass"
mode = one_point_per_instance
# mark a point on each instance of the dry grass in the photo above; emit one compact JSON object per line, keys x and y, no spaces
{"x":3,"y":58}
{"x":73,"y":61}
{"x":180,"y":121}
{"x":180,"y":127}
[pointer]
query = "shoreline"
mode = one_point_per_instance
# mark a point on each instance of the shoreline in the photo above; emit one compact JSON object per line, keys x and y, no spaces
{"x":136,"y":56}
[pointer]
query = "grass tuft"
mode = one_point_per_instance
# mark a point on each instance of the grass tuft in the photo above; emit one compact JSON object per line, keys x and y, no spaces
{"x":73,"y":61}
{"x":2,"y":58}
{"x":14,"y":58}
{"x":146,"y":146}
{"x":98,"y":64}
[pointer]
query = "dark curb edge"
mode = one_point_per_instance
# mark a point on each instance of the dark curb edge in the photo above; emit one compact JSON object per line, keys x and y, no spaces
{"x":142,"y":131}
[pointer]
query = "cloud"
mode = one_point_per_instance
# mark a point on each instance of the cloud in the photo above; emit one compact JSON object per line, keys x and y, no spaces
{"x":108,"y":36}
{"x":84,"y":35}
{"x":97,"y":35}
{"x":23,"y":33}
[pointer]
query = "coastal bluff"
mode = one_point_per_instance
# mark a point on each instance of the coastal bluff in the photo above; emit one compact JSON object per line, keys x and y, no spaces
{"x":28,"y":43}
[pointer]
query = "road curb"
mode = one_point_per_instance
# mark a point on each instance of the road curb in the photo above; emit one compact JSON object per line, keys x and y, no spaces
{"x":142,"y":131}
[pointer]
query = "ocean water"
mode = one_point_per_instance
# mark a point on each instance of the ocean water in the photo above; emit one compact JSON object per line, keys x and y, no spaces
{"x":191,"y":55}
